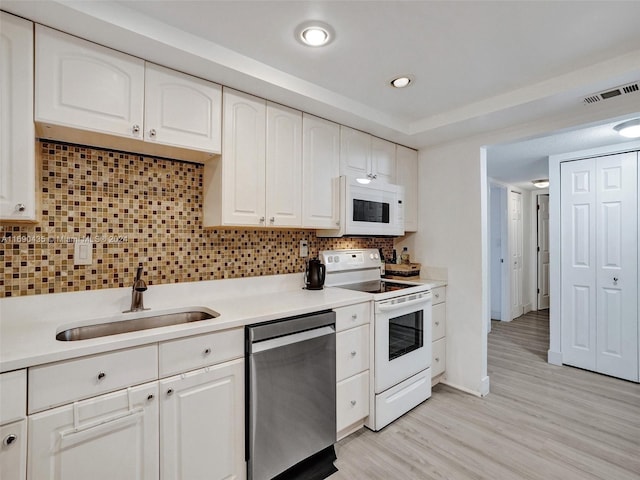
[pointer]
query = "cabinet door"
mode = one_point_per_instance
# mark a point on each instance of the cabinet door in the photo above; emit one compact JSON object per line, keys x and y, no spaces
{"x":383,"y":160}
{"x":407,"y":176}
{"x":17,"y":136}
{"x":83,"y":85}
{"x":13,"y":451}
{"x":355,"y":153}
{"x":202,"y":423}
{"x":182,"y":110}
{"x":243,"y":159}
{"x":103,"y":438}
{"x":284,"y":166}
{"x":320,"y":166}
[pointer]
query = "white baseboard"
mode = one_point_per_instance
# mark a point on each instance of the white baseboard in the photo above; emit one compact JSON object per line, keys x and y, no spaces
{"x":484,"y":387}
{"x":495,"y":315}
{"x":554,"y":358}
{"x":527,"y":308}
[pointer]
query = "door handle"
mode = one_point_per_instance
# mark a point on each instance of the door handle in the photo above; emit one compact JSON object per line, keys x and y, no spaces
{"x":615,"y":280}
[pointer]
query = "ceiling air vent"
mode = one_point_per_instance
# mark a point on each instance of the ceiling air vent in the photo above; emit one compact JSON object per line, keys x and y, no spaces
{"x":614,"y":92}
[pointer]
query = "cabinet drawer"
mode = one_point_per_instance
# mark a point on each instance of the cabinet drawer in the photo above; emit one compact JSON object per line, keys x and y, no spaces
{"x":13,"y":454}
{"x":190,"y":353}
{"x":64,"y":382}
{"x":439,"y":295}
{"x":352,"y":400}
{"x":438,"y":319}
{"x":352,"y":316}
{"x":352,"y":352}
{"x":438,"y":357}
{"x":13,"y":396}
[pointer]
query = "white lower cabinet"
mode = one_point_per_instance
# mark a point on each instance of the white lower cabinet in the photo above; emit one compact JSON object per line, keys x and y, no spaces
{"x":438,"y":333}
{"x":353,"y":343}
{"x":202,"y":424}
{"x":13,"y":451}
{"x":103,"y":438}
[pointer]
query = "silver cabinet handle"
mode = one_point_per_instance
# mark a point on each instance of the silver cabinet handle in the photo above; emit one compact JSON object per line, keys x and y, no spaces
{"x":353,"y":403}
{"x":272,"y":219}
{"x":261,"y":219}
{"x":9,"y":439}
{"x":170,"y":392}
{"x":20,"y":207}
{"x":101,"y":376}
{"x":437,"y":295}
{"x":437,"y":323}
{"x":152,"y":133}
{"x":437,"y":359}
{"x":135,"y":129}
{"x":150,"y":397}
{"x":207,"y":351}
{"x":354,"y":353}
{"x":354,"y":316}
{"x":615,"y":280}
{"x":375,"y":176}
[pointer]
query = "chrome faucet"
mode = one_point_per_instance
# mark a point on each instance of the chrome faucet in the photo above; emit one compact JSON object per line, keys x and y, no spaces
{"x":139,"y":286}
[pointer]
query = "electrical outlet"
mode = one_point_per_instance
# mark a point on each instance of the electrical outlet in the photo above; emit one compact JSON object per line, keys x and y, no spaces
{"x":83,"y":252}
{"x":304,"y":248}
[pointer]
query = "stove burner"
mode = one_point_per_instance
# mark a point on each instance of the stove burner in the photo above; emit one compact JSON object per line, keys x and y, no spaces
{"x":376,"y":286}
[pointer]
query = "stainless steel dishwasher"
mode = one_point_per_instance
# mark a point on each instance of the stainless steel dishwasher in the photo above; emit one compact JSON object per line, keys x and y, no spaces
{"x":291,"y":392}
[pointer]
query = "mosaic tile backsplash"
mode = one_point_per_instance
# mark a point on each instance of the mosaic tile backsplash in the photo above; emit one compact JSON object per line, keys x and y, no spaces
{"x":137,"y":210}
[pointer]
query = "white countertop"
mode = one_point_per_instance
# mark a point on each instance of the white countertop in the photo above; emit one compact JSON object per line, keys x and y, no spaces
{"x":28,"y":325}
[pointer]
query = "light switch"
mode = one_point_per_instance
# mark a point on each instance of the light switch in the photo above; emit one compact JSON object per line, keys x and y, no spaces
{"x":83,"y":252}
{"x":304,"y":248}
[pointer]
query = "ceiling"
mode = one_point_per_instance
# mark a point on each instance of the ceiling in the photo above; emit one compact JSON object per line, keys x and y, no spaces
{"x":478,"y":65}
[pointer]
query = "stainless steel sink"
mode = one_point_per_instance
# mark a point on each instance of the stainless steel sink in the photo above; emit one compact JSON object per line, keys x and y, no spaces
{"x":134,"y":324}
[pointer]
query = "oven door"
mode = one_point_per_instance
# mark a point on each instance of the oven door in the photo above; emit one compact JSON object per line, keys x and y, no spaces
{"x":402,"y":338}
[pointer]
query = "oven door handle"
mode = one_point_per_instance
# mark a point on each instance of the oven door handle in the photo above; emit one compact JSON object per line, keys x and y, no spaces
{"x":383,"y":307}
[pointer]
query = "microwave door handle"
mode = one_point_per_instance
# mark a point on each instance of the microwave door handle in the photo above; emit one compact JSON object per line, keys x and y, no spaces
{"x":396,"y":306}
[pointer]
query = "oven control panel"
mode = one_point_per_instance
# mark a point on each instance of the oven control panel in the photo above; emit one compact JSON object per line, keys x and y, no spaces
{"x":340,"y":260}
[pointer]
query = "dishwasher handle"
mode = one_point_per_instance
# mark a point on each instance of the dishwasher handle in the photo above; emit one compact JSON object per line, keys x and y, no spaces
{"x":265,"y":345}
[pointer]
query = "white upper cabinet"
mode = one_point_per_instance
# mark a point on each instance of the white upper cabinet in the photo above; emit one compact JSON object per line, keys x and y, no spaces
{"x":383,"y":160}
{"x":407,"y":176}
{"x":283,"y":166}
{"x":365,"y":156}
{"x":320,"y":168}
{"x":243,"y":160}
{"x":83,"y":85}
{"x":181,"y":110}
{"x":17,"y":136}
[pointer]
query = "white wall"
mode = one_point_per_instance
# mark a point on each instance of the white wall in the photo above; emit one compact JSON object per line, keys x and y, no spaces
{"x":453,"y":234}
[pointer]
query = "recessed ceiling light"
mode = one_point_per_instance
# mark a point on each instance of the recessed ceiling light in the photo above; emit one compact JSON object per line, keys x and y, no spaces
{"x":630,"y":129}
{"x":542,"y":183}
{"x":401,"y":81}
{"x":314,"y":34}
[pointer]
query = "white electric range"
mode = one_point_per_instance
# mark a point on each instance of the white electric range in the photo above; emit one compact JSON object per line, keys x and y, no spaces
{"x":401,"y":332}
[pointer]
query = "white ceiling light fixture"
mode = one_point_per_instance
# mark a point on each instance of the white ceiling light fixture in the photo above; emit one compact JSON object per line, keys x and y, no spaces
{"x":629,"y":129}
{"x":314,"y":34}
{"x":401,"y":81}
{"x":541,"y":183}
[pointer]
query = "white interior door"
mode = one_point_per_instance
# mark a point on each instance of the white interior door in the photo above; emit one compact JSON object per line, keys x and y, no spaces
{"x":543,"y":252}
{"x":515,"y":252}
{"x":578,"y":263}
{"x":617,"y":267}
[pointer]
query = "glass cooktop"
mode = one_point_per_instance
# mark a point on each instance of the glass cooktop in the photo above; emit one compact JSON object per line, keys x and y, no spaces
{"x":377,"y":286}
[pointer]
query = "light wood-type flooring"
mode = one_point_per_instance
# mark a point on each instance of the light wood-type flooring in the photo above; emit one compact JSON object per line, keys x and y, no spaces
{"x":540,"y":421}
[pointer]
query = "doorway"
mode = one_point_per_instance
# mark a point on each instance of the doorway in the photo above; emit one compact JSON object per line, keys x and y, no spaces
{"x":543,"y":251}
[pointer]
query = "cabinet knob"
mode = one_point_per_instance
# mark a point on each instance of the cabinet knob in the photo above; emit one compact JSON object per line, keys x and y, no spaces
{"x":152,"y":133}
{"x":437,"y":359}
{"x":135,"y":129}
{"x":150,"y":397}
{"x":437,"y":323}
{"x":374,"y":176}
{"x":338,"y":223}
{"x":261,"y":219}
{"x":272,"y":219}
{"x":170,"y":392}
{"x":615,"y":280}
{"x":10,"y":440}
{"x":101,"y":376}
{"x":207,"y":351}
{"x":437,"y":295}
{"x":354,"y":353}
{"x":354,"y":316}
{"x":353,"y":403}
{"x":20,"y":207}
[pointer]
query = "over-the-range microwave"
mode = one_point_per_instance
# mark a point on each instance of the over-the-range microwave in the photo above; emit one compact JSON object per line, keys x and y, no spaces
{"x":372,"y":209}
